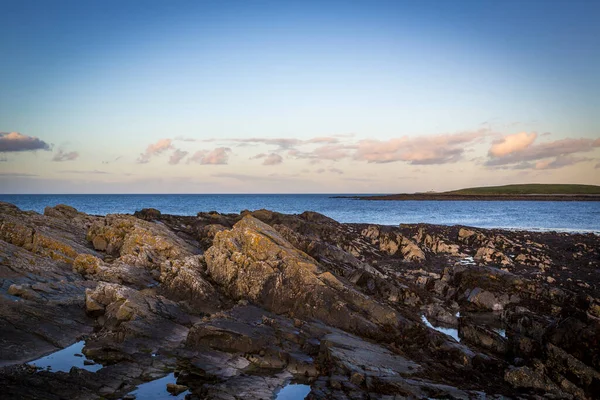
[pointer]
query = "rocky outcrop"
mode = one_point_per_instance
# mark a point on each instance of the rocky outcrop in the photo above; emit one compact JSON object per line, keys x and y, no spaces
{"x":137,"y":242}
{"x":240,"y":305}
{"x":252,"y":261}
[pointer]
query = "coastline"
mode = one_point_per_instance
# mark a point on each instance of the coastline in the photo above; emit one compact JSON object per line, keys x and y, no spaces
{"x":462,"y":197}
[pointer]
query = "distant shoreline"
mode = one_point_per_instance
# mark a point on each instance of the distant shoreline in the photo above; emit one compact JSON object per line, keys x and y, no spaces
{"x":475,"y":197}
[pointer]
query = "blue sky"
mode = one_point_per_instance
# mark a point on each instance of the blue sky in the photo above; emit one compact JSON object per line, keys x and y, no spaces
{"x":259,"y":96}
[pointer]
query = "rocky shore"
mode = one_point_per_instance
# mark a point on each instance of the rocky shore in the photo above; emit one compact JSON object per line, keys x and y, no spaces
{"x":240,"y":306}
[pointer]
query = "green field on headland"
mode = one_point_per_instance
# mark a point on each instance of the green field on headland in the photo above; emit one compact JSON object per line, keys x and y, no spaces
{"x":532,"y":188}
{"x":525,"y":192}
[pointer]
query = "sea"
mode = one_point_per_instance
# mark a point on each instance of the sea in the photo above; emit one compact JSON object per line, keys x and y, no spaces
{"x":560,"y":216}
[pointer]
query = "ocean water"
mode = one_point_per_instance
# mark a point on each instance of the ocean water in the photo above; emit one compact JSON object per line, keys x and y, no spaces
{"x":530,"y":215}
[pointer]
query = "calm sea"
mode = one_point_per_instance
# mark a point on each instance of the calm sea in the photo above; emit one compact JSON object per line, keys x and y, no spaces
{"x":530,"y":215}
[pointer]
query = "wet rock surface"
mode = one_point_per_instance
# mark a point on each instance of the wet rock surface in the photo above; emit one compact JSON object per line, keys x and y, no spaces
{"x":238,"y":306}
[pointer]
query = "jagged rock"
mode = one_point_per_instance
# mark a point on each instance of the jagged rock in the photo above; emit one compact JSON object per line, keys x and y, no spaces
{"x":410,"y":250}
{"x":490,"y":254}
{"x":137,"y":242}
{"x":253,"y":261}
{"x":184,"y":279}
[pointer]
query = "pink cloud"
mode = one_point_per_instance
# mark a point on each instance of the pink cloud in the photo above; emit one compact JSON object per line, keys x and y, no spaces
{"x":558,"y":149}
{"x":218,"y":156}
{"x":332,"y":152}
{"x":177,"y":156}
{"x":273,"y":159}
{"x":422,"y":150}
{"x":512,"y":143}
{"x":155,"y":149}
{"x":268,"y":159}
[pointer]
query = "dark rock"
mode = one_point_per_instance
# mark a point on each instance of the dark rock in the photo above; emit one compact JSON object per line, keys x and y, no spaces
{"x":148,"y":214}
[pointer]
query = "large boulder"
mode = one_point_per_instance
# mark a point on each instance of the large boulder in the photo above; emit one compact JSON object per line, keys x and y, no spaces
{"x":253,"y":261}
{"x":136,"y":241}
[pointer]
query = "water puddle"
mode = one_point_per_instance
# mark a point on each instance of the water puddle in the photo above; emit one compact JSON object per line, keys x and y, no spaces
{"x":467,"y":261}
{"x":293,"y":391}
{"x":452,"y":332}
{"x":157,"y":389}
{"x":63,"y":360}
{"x":501,"y":332}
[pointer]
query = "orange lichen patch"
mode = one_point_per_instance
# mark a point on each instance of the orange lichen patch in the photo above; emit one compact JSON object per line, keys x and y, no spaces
{"x":46,"y":245}
{"x":17,"y":234}
{"x":86,"y":264}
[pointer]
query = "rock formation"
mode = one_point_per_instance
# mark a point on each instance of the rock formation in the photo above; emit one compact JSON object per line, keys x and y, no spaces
{"x":240,"y":305}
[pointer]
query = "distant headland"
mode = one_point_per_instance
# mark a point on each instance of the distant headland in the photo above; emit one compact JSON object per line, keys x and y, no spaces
{"x":529,"y":192}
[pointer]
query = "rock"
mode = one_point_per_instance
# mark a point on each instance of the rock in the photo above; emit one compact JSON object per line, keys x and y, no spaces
{"x":62,"y":211}
{"x":87,"y":264}
{"x":486,"y":300}
{"x":281,"y":298}
{"x":148,"y":214}
{"x":489,"y":254}
{"x":253,"y":261}
{"x":136,"y":241}
{"x":410,"y":250}
{"x":184,"y":280}
{"x":175,"y":389}
{"x":482,"y":337}
{"x":526,"y":378}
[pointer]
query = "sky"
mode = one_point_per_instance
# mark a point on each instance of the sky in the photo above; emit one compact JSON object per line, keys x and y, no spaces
{"x":297,"y":96}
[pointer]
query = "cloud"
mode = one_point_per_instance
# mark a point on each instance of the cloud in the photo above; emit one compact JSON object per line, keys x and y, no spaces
{"x":332,"y":170}
{"x":15,"y":141}
{"x":512,"y":143}
{"x":522,"y":159}
{"x":84,"y":172}
{"x":268,"y":159}
{"x":249,"y":178}
{"x":185,"y":139}
{"x":155,"y":149}
{"x":559,"y":162}
{"x":177,"y":156}
{"x":273,"y":159}
{"x":218,"y":156}
{"x":62,"y":155}
{"x":422,"y":150}
{"x":323,"y":139}
{"x":282,"y":143}
{"x":16,"y":174}
{"x":114,"y":160}
{"x":285,"y":143}
{"x":332,"y":152}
